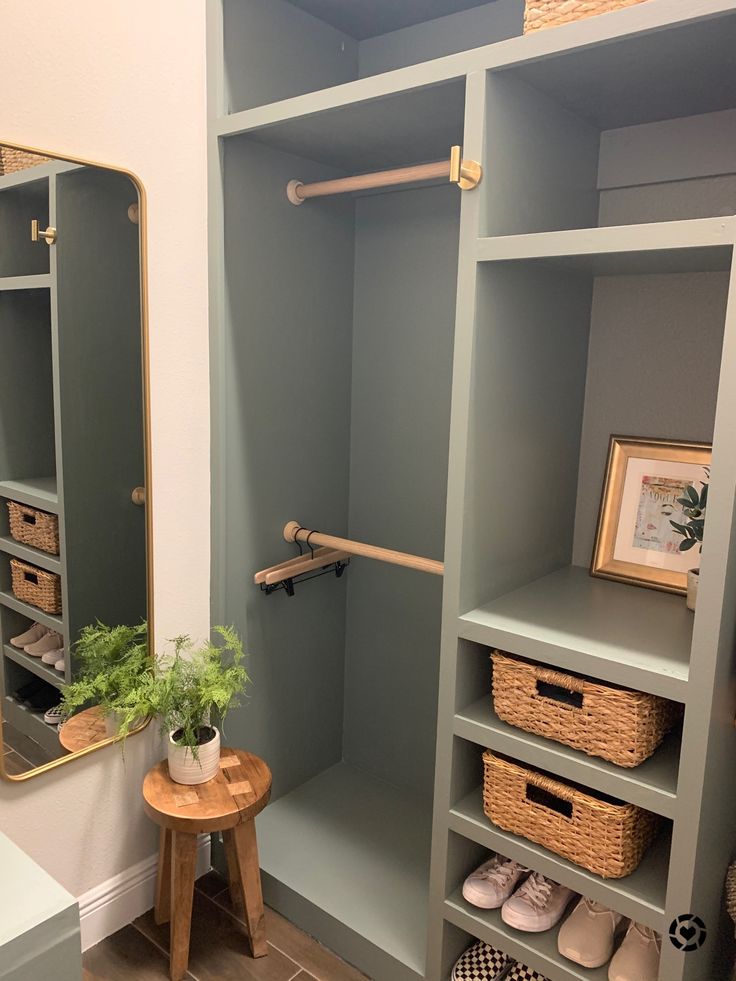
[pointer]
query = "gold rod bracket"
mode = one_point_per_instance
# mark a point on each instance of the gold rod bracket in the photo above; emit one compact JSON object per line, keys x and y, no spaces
{"x":49,"y":235}
{"x":467,"y":174}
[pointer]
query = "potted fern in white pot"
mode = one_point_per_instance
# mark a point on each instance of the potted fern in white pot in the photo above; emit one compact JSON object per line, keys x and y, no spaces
{"x":693,"y":508}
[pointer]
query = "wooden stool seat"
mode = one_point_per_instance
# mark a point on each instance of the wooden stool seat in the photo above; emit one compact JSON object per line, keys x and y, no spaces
{"x":227,"y":803}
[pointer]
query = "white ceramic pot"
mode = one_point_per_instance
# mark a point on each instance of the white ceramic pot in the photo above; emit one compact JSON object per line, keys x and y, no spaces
{"x":693,"y":581}
{"x":183,"y":768}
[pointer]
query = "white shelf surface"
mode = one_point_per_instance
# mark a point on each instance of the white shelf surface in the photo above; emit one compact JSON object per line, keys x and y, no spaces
{"x":536,"y":950}
{"x":652,"y":784}
{"x":697,"y":245}
{"x":635,"y":637}
{"x":640,"y":895}
{"x":358,"y":849}
{"x":37,"y":492}
{"x":41,"y":281}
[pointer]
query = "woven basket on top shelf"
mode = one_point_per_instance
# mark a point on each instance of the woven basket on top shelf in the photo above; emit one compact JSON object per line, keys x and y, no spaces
{"x":12,"y":160}
{"x":29,"y":526}
{"x":616,"y":724}
{"x":36,"y":586}
{"x":552,"y":13}
{"x":602,"y":835}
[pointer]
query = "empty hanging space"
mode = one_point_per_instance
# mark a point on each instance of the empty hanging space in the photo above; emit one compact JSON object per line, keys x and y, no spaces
{"x":20,"y":204}
{"x":336,"y":367}
{"x":274,"y":50}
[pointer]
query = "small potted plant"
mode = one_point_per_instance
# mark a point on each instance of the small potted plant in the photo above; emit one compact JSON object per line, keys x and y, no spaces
{"x":693,"y":507}
{"x":109,"y":664}
{"x":188,"y":689}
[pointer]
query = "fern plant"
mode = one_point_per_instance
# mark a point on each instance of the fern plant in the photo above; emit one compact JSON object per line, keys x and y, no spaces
{"x":110,"y":663}
{"x":190,"y":687}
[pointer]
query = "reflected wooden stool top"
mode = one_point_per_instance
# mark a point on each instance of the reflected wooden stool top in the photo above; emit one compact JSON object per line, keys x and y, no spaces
{"x":240,"y":790}
{"x":84,"y":729}
{"x":228,"y":803}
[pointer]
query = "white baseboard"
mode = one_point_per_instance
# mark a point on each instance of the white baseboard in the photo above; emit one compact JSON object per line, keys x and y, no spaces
{"x":113,"y":904}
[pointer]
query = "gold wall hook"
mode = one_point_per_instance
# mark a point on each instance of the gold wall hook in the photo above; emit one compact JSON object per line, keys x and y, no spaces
{"x":49,"y":234}
{"x":467,"y":174}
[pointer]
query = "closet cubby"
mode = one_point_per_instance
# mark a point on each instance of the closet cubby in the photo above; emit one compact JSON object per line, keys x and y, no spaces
{"x":582,"y":290}
{"x":275,"y":50}
{"x":20,"y":203}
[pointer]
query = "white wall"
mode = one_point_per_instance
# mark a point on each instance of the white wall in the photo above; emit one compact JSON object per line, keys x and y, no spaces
{"x":123,"y":82}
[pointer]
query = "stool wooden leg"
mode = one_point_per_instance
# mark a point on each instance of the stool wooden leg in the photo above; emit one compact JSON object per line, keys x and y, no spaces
{"x":183,"y":862}
{"x":162,"y":908}
{"x":244,"y":849}
{"x":233,"y":873}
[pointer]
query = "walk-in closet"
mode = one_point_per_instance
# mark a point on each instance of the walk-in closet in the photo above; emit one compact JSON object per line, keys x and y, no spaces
{"x":439,"y":371}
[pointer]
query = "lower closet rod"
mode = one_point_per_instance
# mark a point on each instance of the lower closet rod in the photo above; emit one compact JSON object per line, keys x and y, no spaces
{"x":293,"y":532}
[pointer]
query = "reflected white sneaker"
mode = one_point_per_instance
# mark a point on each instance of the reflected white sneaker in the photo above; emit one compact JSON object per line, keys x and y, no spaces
{"x":536,"y":905}
{"x":33,"y":634}
{"x":51,"y":641}
{"x":587,"y":936}
{"x":52,"y":716}
{"x":637,"y":959}
{"x":492,"y":882}
{"x":61,"y":665}
{"x":51,"y":657}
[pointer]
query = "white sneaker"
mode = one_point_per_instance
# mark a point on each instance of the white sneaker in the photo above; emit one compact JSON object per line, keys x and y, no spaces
{"x":637,"y":959}
{"x":492,"y":882}
{"x":537,"y":905}
{"x":52,"y":716}
{"x":61,"y":665}
{"x":33,"y":634}
{"x":51,"y":641}
{"x":51,"y":657}
{"x":588,"y":935}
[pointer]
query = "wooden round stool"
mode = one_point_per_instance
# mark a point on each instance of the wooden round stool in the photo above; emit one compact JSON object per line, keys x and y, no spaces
{"x":227,"y":803}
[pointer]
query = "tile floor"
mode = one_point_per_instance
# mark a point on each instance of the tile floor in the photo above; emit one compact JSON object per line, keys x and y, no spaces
{"x":20,"y":752}
{"x":218,"y":950}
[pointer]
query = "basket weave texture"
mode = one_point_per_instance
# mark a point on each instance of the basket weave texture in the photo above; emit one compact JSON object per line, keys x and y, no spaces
{"x":552,"y":13}
{"x":33,"y":527}
{"x":12,"y":160}
{"x":616,"y":724}
{"x":36,"y":586}
{"x":605,"y":837}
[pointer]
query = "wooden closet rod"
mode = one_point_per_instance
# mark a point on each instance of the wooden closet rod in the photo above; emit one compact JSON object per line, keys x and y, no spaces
{"x":465,"y":173}
{"x":293,"y":532}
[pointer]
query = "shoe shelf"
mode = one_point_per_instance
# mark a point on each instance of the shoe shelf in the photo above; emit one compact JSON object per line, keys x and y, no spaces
{"x":29,"y":554}
{"x":31,"y":724}
{"x":652,"y":784}
{"x":639,"y":638}
{"x":536,"y":950}
{"x":41,"y":281}
{"x":37,"y":492}
{"x":640,"y":895}
{"x":35,"y":665}
{"x":32,"y":612}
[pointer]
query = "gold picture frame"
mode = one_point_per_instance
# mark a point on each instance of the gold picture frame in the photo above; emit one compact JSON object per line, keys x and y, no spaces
{"x":643,"y":479}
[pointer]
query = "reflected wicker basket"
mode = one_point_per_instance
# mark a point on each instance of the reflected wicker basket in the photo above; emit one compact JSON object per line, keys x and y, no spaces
{"x":539,"y":14}
{"x":36,"y":586}
{"x":29,"y":526}
{"x":12,"y":160}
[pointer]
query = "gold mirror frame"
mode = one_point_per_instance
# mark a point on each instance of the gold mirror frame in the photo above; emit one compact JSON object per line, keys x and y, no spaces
{"x":148,"y":504}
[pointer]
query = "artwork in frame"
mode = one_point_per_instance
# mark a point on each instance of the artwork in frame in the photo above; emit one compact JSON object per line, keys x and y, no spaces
{"x":636,"y":541}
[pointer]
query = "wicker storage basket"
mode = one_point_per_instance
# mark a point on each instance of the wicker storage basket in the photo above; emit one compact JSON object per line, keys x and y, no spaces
{"x":615,"y":724}
{"x":604,"y":836}
{"x":552,"y":13}
{"x":12,"y":160}
{"x":33,"y":527}
{"x":36,"y":586}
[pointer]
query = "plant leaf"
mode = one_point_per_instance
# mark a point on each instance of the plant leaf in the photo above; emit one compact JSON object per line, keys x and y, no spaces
{"x":687,"y":543}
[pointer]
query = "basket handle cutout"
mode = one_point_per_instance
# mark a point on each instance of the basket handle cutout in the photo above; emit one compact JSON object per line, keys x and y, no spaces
{"x":31,"y":577}
{"x":29,"y":519}
{"x":559,"y":693}
{"x":538,"y":795}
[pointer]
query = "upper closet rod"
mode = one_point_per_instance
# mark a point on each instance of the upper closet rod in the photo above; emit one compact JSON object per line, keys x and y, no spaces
{"x":465,"y":173}
{"x":293,"y":532}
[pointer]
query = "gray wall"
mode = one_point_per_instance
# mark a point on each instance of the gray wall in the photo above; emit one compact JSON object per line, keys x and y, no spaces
{"x":405,"y":288}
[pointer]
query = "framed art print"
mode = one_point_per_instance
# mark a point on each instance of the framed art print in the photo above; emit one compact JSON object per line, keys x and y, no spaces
{"x":635,"y":541}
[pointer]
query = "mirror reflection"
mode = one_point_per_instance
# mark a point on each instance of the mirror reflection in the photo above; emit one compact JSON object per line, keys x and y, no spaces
{"x":73,"y":560}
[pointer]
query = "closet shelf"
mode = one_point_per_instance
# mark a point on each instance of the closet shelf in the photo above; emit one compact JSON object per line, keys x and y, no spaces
{"x":697,"y":245}
{"x":652,"y":784}
{"x":32,"y":612}
{"x":640,"y":895}
{"x":536,"y":950}
{"x":42,"y":281}
{"x":37,"y":492}
{"x":29,"y":554}
{"x":35,"y":665}
{"x":639,"y":638}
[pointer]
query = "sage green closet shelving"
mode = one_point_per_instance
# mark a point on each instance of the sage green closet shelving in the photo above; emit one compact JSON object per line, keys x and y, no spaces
{"x":71,"y":423}
{"x":583,"y":289}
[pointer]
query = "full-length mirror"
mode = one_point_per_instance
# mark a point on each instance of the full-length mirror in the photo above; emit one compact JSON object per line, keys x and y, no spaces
{"x":74,"y":522}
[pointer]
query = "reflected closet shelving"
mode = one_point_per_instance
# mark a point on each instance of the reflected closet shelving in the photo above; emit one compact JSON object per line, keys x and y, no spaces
{"x":439,"y":373}
{"x":71,"y":426}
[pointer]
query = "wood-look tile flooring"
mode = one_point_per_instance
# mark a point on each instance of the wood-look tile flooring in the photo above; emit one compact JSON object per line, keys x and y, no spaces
{"x":20,"y":752}
{"x":218,"y":950}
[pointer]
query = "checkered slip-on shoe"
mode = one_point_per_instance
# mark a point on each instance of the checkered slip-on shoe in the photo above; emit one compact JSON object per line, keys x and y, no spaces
{"x":520,"y":972}
{"x":481,"y":962}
